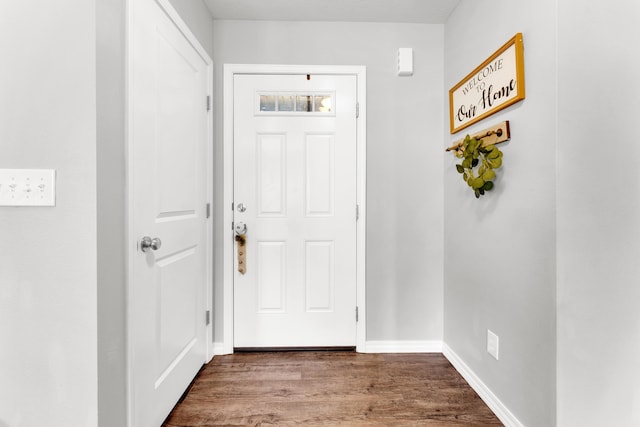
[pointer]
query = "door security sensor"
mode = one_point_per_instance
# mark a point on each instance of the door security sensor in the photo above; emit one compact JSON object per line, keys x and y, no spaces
{"x":405,"y":61}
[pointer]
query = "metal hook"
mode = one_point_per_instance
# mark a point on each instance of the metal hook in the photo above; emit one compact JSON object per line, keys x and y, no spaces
{"x":491,"y":132}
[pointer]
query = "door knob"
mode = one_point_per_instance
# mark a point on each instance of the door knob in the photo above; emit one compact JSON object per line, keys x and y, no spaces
{"x":147,"y":243}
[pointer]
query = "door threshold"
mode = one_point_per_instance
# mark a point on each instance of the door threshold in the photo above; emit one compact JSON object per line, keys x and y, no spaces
{"x":291,"y":349}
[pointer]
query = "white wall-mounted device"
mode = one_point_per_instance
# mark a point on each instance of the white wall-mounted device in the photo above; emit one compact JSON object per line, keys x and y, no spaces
{"x":27,"y":187}
{"x":493,"y":343}
{"x":405,"y":61}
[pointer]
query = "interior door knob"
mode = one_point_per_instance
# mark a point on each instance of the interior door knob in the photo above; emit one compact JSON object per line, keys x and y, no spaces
{"x":147,"y":243}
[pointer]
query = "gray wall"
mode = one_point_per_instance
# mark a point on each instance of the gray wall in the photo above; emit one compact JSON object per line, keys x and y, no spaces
{"x":598,"y":212}
{"x":48,"y":356}
{"x":500,"y":253}
{"x":198,"y":18}
{"x":404,"y":156}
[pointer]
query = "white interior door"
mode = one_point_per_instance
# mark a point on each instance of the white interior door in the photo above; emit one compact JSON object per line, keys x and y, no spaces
{"x":168,"y":170}
{"x":295,"y":190}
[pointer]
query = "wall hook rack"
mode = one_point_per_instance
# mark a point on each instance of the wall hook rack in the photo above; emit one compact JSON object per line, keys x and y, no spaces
{"x":490,"y":136}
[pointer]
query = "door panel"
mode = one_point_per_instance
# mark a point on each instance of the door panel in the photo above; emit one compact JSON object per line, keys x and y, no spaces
{"x":295,"y":172}
{"x":319,"y":175}
{"x":168,"y":140}
{"x":271,"y":283}
{"x":319,"y":276}
{"x":271,"y":163}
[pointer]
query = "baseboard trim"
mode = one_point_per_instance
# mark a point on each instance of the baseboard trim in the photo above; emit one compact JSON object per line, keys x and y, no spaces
{"x":403,"y":347}
{"x":345,"y":349}
{"x":492,"y":401}
{"x":218,"y":349}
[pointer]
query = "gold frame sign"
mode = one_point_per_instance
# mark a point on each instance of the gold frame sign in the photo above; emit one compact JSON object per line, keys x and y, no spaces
{"x":497,"y":83}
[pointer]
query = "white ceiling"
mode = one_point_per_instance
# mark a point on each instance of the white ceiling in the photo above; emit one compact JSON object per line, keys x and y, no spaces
{"x":418,"y":11}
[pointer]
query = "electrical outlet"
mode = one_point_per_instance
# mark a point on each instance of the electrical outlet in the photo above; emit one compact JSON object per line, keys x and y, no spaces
{"x":27,"y":187}
{"x":493,"y":344}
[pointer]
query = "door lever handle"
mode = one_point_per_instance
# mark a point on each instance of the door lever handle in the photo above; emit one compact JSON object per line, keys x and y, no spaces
{"x":147,"y":243}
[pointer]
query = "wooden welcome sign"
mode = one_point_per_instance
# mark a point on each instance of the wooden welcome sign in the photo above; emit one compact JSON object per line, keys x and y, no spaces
{"x":495,"y":84}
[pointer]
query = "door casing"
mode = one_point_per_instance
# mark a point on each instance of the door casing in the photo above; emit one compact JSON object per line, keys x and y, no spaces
{"x":230,"y":70}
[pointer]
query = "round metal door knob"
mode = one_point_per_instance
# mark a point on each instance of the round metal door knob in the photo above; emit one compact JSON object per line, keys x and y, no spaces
{"x":147,"y":243}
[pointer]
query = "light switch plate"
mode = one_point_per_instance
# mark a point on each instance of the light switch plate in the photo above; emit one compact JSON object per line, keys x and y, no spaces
{"x":493,"y":344}
{"x":27,"y":187}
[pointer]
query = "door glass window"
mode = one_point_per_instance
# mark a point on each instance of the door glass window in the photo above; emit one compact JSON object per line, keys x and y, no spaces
{"x":304,"y":103}
{"x":286,"y":103}
{"x":267,"y":103}
{"x":295,"y":103}
{"x":322,"y":103}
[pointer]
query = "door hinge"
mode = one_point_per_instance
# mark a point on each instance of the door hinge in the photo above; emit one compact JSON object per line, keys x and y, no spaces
{"x":208,"y":210}
{"x":208,"y":317}
{"x":357,"y":212}
{"x":357,"y":110}
{"x":208,"y":103}
{"x":356,"y":313}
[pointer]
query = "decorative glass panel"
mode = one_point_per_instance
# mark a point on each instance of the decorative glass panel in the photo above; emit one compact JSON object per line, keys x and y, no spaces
{"x":304,"y":103}
{"x":267,"y":103}
{"x":322,"y":103}
{"x":296,"y":103}
{"x":286,"y":102}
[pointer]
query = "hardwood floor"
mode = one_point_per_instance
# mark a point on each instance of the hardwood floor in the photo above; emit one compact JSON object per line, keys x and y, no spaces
{"x":330,"y":389}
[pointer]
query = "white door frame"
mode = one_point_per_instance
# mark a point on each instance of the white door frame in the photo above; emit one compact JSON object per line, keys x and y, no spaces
{"x":361,"y":140}
{"x":131,"y":239}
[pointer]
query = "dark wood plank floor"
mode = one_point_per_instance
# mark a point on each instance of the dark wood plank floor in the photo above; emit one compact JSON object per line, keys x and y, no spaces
{"x":330,"y":389}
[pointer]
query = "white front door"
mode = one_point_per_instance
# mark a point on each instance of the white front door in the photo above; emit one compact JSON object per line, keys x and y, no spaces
{"x":295,"y":190}
{"x":167,"y":183}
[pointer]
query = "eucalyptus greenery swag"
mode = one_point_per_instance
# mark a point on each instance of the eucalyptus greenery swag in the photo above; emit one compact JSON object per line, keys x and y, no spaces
{"x":478,"y":164}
